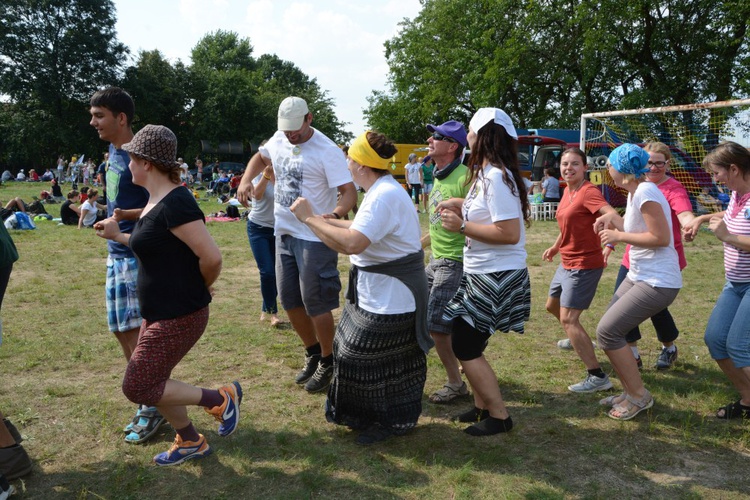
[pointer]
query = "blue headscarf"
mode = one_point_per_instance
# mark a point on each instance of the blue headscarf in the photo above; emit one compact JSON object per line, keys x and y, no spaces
{"x":629,"y":159}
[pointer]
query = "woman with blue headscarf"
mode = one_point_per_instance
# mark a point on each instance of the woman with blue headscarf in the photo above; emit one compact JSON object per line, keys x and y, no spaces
{"x":654,"y":278}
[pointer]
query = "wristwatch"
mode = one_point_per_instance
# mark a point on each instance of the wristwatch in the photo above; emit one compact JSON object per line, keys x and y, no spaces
{"x":462,"y":228}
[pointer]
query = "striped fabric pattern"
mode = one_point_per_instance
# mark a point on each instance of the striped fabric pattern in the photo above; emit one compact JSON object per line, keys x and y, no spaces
{"x":494,"y":301}
{"x":736,"y":261}
{"x":379,"y":371}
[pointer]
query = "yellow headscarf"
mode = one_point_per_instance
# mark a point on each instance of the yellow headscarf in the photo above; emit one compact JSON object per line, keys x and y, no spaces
{"x":361,"y":152}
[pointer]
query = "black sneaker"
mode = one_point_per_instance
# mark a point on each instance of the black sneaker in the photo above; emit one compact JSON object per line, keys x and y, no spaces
{"x":666,"y":358}
{"x":307,"y":371}
{"x":321,"y":379}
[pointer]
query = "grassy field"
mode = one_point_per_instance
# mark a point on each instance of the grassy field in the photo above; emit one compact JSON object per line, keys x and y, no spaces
{"x":60,"y":375}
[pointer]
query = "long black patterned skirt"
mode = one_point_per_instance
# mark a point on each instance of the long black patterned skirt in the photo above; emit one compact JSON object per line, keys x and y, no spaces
{"x":379,"y":371}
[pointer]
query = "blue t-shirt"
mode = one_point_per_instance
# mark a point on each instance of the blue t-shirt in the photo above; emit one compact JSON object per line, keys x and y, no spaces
{"x":123,"y":194}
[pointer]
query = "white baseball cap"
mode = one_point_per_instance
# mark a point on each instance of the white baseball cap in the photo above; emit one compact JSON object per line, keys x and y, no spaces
{"x":486,"y":115}
{"x":292,"y":112}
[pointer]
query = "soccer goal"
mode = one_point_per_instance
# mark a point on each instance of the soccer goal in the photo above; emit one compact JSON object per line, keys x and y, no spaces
{"x":690,"y":131}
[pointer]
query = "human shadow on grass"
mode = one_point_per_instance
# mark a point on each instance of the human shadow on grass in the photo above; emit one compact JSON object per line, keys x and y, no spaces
{"x":241,"y":466}
{"x":567,"y":439}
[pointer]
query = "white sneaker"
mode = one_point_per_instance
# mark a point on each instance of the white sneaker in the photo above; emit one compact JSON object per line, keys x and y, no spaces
{"x":591,"y":384}
{"x":566,"y":344}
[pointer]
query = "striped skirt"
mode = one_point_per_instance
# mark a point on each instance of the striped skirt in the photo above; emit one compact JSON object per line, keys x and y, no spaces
{"x":493,"y":301}
{"x":379,"y":371}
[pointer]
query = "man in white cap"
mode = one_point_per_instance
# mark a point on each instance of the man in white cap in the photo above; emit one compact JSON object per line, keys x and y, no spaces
{"x":306,"y":163}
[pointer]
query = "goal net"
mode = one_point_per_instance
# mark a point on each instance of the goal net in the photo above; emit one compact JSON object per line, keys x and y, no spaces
{"x":690,"y":131}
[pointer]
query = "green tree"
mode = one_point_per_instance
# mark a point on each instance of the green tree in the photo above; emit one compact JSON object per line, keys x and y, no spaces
{"x":159,"y":89}
{"x":53,"y":55}
{"x":548,"y":61}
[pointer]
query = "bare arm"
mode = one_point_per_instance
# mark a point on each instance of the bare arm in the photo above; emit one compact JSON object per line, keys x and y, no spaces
{"x":346,"y":201}
{"x":195,"y":235}
{"x":690,"y":230}
{"x":550,"y":253}
{"x":716,"y":224}
{"x":685,"y":218}
{"x":259,"y":190}
{"x":109,"y":229}
{"x":341,"y":239}
{"x":254,"y":167}
{"x":129,"y":214}
{"x":657,"y":234}
{"x":504,"y":232}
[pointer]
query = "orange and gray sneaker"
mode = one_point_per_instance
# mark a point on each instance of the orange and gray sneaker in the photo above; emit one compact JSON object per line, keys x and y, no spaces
{"x":182,"y":451}
{"x":228,"y":413}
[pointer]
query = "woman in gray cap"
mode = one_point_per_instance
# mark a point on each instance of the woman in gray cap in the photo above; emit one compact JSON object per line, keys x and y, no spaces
{"x":178,"y":263}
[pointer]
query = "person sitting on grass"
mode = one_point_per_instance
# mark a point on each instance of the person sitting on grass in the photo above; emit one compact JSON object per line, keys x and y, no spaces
{"x":89,"y":210}
{"x":70,"y":214}
{"x":178,"y":263}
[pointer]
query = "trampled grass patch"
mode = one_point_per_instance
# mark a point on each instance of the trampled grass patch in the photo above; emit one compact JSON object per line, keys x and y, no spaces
{"x":60,"y":375}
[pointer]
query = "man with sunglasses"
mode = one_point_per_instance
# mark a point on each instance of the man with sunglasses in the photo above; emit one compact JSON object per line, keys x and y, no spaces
{"x":444,"y":271}
{"x":306,"y":164}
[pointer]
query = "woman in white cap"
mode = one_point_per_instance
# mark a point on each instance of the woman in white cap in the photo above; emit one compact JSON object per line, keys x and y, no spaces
{"x":495,"y":292}
{"x":654,"y":278}
{"x":380,"y":363}
{"x":178,"y":263}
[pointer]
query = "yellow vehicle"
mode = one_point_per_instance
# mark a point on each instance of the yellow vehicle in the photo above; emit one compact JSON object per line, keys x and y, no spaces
{"x":402,"y":158}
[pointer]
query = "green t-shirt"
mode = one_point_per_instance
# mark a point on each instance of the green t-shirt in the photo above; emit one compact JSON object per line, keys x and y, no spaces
{"x":445,"y":244}
{"x":427,"y":172}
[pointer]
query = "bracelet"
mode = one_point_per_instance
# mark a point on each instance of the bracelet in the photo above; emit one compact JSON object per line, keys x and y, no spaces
{"x":610,"y":246}
{"x":267,"y":177}
{"x":336,"y":215}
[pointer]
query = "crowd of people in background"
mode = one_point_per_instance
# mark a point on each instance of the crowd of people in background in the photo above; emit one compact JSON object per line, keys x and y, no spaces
{"x":372,"y":364}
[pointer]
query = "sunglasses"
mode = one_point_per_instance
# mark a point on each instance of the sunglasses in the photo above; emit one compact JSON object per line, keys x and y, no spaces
{"x":440,"y":137}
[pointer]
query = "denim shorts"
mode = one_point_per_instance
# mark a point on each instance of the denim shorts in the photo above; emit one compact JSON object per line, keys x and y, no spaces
{"x":728,"y":329}
{"x":307,"y":275}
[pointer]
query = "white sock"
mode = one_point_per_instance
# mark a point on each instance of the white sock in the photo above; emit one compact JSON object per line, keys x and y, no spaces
{"x":671,"y":348}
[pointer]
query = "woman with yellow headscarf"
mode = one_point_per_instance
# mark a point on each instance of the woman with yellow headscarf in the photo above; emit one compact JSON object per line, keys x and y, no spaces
{"x":381,"y":341}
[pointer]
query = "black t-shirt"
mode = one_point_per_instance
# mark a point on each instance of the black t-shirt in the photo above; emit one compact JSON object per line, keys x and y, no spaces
{"x":56,"y":191}
{"x":170,"y":283}
{"x":68,"y":216}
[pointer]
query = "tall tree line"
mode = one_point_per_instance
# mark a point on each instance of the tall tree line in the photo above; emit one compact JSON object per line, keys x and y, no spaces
{"x":55,"y":53}
{"x":548,"y":61}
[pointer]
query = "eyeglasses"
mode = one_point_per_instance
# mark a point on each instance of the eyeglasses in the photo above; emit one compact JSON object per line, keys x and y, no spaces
{"x":440,"y":137}
{"x":657,"y":164}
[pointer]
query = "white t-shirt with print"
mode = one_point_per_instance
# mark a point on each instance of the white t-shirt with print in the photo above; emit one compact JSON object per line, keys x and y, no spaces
{"x":387,"y":218}
{"x":312,"y":170}
{"x":412,"y":173}
{"x":659,"y":267}
{"x":490,"y":200}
